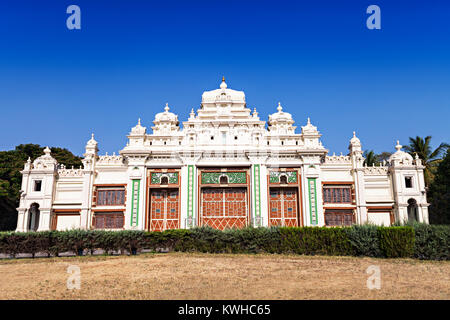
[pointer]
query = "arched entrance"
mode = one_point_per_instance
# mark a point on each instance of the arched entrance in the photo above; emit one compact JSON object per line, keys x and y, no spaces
{"x":413,"y":212}
{"x":33,"y":217}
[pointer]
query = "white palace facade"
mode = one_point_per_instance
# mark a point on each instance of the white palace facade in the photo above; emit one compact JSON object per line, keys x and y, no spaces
{"x":225,"y":169}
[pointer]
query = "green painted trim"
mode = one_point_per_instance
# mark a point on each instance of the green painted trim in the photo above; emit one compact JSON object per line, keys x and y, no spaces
{"x":190,"y":192}
{"x":257,"y":189}
{"x":313,"y":222}
{"x":137,"y":202}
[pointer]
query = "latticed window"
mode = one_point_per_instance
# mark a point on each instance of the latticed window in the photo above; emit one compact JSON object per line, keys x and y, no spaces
{"x":108,"y":220}
{"x":110,"y":196}
{"x":338,"y":217}
{"x":337,"y":194}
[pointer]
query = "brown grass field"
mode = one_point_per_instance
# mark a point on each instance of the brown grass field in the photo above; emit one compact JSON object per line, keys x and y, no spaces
{"x":223,"y":276}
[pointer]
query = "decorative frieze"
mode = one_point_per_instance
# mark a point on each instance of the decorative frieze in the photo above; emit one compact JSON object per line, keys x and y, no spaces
{"x":375,"y":170}
{"x":232,"y":177}
{"x":172,"y":177}
{"x":274,"y":176}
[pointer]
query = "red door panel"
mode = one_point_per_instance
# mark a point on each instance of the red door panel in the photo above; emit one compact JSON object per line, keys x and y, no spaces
{"x":283,"y":207}
{"x":164,"y":210}
{"x":224,"y":208}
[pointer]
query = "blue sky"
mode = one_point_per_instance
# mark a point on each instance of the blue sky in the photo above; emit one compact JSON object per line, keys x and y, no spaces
{"x":131,"y":57}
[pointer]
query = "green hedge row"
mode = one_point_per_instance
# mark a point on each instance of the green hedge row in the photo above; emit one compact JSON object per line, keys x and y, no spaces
{"x":418,"y":241}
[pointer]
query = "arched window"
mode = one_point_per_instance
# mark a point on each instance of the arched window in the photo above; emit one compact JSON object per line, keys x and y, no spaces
{"x":283,"y":179}
{"x":223,"y":180}
{"x":33,"y":217}
{"x":412,"y":210}
{"x":164,"y":180}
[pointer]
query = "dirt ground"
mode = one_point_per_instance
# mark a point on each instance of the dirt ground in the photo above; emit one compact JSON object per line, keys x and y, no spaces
{"x":222,"y":276}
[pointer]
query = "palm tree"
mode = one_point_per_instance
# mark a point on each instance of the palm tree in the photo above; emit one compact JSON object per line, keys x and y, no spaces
{"x":371,"y":158}
{"x":430,"y":159}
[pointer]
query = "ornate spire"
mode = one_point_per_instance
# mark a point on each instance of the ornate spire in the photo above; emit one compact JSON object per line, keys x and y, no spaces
{"x":47,"y":151}
{"x":166,"y":108}
{"x":223,"y":85}
{"x":280,"y":108}
{"x":398,"y":146}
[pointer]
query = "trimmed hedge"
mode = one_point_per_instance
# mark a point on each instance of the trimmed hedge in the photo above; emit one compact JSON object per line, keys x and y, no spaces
{"x":418,"y":241}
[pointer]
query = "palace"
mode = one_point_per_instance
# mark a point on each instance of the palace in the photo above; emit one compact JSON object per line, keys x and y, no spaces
{"x":225,"y":169}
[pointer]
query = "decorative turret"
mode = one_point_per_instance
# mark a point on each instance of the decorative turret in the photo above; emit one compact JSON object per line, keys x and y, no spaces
{"x":355,"y":144}
{"x":281,"y":122}
{"x":138,"y":130}
{"x":45,"y":162}
{"x":356,"y":152}
{"x":91,"y":153}
{"x":165,"y":122}
{"x":400,"y":157}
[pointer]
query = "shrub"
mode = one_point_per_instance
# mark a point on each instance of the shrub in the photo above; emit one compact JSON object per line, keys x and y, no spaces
{"x":315,"y":240}
{"x":364,"y":240}
{"x":396,"y":242}
{"x":432,"y":241}
{"x":419,"y":241}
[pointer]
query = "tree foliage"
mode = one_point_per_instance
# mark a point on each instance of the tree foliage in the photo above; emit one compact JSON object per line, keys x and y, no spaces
{"x":371,"y":158}
{"x":439,"y":193}
{"x":430,"y":159}
{"x":11,"y":163}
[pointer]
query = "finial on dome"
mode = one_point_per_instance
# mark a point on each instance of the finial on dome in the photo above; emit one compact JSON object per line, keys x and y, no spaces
{"x":166,"y":108}
{"x":139,"y":121}
{"x":354,"y":134}
{"x":47,"y":150}
{"x":280,"y":108}
{"x":309,"y":120}
{"x":223,"y":85}
{"x":398,"y":146}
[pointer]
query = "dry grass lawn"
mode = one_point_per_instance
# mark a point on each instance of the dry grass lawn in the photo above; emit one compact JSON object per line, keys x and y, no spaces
{"x":223,"y":276}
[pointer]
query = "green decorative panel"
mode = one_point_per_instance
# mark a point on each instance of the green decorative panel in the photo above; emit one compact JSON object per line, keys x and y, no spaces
{"x":233,"y":177}
{"x":257,"y":190}
{"x":135,"y":202}
{"x":190,"y":203}
{"x":274,"y":176}
{"x":312,"y":192}
{"x":156,"y":177}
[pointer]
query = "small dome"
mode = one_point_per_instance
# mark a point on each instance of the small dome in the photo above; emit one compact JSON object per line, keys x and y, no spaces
{"x":92,"y":141}
{"x":355,"y":140}
{"x":400,"y":155}
{"x":138,"y":129}
{"x":280,"y":116}
{"x":309,"y":128}
{"x":223,"y":85}
{"x":166,"y":115}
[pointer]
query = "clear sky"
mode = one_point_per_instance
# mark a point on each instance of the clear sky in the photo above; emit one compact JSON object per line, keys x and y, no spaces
{"x":131,"y":57}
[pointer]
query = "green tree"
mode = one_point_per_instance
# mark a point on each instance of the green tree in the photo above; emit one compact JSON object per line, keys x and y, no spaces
{"x":430,"y":159}
{"x":439,"y":193}
{"x":371,"y":158}
{"x":383,"y":156}
{"x":11,"y":163}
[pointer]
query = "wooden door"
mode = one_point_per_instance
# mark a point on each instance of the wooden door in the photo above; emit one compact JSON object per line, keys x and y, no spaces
{"x":283,"y":207}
